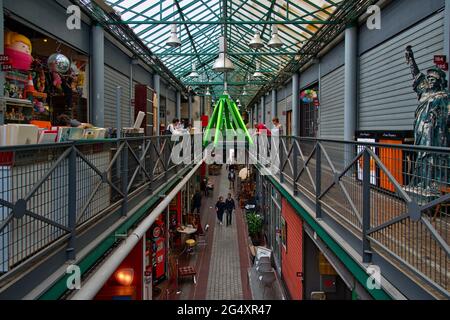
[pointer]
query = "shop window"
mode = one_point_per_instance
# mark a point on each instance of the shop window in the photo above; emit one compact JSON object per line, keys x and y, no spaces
{"x":43,"y":78}
{"x":309,"y":112}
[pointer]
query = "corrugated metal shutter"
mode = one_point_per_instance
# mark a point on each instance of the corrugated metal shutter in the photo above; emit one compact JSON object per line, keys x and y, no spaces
{"x":113,"y":79}
{"x":332,"y":104}
{"x":387,"y":100}
{"x":170,"y":110}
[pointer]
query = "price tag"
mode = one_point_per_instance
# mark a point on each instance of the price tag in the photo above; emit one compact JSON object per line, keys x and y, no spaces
{"x":4,"y":58}
{"x":6,"y":67}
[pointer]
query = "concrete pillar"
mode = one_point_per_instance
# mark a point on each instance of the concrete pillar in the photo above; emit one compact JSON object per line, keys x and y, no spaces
{"x":178,"y":106}
{"x":2,"y":74}
{"x":257,"y":113}
{"x":98,"y":77}
{"x":447,"y":35}
{"x":350,"y":95}
{"x":157,"y":85}
{"x":274,"y":111}
{"x":295,"y":105}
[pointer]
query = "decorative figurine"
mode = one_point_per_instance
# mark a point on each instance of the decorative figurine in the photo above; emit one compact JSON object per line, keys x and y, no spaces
{"x":431,"y":125}
{"x":18,"y":48}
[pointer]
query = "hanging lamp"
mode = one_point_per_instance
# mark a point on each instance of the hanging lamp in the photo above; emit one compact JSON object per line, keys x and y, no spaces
{"x":258,"y":73}
{"x":223,"y":64}
{"x":256,"y":43}
{"x":275,"y":42}
{"x":207,"y":93}
{"x":194,"y":73}
{"x":173,"y":41}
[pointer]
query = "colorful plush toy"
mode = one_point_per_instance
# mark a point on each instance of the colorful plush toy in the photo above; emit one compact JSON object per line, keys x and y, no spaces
{"x":41,"y":81}
{"x":18,"y":48}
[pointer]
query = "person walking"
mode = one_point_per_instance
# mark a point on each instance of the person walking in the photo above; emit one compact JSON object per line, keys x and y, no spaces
{"x":220,"y":210}
{"x":196,"y":201}
{"x":229,"y":206}
{"x":231,"y":178}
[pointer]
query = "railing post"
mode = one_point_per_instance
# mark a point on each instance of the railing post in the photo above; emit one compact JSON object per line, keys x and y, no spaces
{"x":72,"y":199}
{"x":280,"y":152}
{"x":367,"y":254}
{"x":295,"y":166}
{"x":318,"y":180}
{"x":152,"y":164}
{"x":124,"y":179}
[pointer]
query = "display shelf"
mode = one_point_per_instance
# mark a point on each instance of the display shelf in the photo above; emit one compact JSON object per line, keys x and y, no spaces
{"x":18,"y":102}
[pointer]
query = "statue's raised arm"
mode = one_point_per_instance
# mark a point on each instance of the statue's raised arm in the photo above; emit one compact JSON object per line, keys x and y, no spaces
{"x":411,"y":62}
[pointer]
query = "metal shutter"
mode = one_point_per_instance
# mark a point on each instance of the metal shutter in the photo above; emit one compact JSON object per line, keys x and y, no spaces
{"x":387,"y":100}
{"x":171,"y":106}
{"x":332,"y":105}
{"x":113,"y":79}
{"x":268,"y":107}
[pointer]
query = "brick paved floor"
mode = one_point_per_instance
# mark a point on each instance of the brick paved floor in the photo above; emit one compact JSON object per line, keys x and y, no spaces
{"x":224,"y":279}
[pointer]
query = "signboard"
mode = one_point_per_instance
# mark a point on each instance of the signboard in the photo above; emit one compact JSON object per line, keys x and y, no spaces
{"x":440,"y":59}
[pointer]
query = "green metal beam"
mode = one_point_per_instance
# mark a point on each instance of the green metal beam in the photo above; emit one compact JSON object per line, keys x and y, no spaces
{"x":235,"y":22}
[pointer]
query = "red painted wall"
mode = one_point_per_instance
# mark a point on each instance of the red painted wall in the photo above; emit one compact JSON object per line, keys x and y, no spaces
{"x":292,"y":256}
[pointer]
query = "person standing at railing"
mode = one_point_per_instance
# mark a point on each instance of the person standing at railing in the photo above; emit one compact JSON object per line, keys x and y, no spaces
{"x":277,"y":127}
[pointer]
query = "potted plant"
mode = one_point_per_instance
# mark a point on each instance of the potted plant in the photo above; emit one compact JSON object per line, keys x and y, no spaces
{"x":255,"y":227}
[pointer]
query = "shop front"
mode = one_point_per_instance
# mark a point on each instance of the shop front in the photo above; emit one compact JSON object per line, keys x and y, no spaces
{"x":44,"y":78}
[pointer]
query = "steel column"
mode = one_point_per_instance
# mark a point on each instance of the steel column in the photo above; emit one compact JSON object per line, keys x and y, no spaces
{"x":98,"y":76}
{"x":178,"y":106}
{"x":274,"y":110}
{"x":190,"y":108}
{"x":318,"y":180}
{"x":295,"y":105}
{"x":350,"y":104}
{"x":263,"y":109}
{"x":124,"y":178}
{"x":157,"y":85}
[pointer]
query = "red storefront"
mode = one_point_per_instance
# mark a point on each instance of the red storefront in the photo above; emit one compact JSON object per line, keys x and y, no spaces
{"x":292,"y":250}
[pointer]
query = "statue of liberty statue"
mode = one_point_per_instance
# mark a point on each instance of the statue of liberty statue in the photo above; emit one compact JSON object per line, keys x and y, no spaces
{"x":431,"y":126}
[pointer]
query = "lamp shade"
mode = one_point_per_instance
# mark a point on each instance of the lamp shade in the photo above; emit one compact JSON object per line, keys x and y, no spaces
{"x":256,"y":42}
{"x":173,"y":41}
{"x":275,"y":41}
{"x":207,"y":93}
{"x":223,"y":64}
{"x":194,"y":73}
{"x":258,"y":73}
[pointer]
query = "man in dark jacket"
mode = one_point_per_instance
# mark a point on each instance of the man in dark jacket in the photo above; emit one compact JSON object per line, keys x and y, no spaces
{"x":220,"y":209}
{"x":197,"y":201}
{"x":229,"y":206}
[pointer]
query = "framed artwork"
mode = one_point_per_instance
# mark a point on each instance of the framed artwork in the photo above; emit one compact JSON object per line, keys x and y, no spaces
{"x":284,"y":233}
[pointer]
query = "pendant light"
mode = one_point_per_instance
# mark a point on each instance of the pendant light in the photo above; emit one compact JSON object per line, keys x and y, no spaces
{"x":244,"y":92}
{"x":256,"y":42}
{"x":223,"y":64}
{"x":173,"y":41}
{"x":275,"y":42}
{"x":194,"y":73}
{"x":207,"y":93}
{"x":258,"y":73}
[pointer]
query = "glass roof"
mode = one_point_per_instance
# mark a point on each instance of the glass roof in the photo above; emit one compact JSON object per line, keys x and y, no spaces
{"x":201,"y":22}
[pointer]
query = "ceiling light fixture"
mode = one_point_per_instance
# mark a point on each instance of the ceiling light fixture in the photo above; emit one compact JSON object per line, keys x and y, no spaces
{"x":223,"y":64}
{"x":256,"y":42}
{"x":258,"y":73}
{"x":275,"y":42}
{"x":173,"y":41}
{"x":194,"y":73}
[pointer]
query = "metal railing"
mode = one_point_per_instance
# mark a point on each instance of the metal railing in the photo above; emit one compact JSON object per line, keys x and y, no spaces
{"x":48,"y":192}
{"x":394,"y":198}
